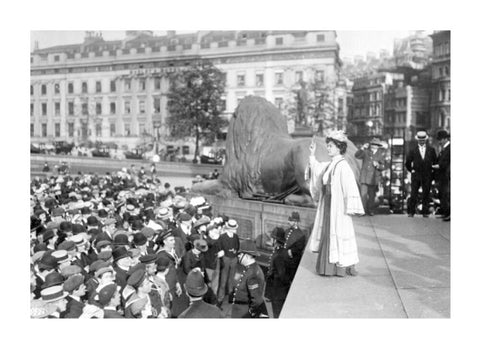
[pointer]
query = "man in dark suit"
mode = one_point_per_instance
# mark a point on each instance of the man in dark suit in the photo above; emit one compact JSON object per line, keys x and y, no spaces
{"x":372,"y":156}
{"x":443,"y":167}
{"x":420,"y":161}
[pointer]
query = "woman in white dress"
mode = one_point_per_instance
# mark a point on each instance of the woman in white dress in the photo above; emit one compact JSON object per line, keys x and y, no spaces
{"x":333,"y":185}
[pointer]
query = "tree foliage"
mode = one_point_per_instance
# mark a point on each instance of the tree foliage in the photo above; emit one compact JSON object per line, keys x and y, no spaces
{"x":195,"y":104}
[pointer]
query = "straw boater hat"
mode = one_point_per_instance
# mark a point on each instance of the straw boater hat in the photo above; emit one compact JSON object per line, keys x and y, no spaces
{"x":421,"y":135}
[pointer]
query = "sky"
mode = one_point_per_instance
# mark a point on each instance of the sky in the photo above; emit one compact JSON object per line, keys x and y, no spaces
{"x":351,"y":42}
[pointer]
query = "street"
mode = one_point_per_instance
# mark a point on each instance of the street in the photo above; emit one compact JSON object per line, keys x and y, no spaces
{"x":404,"y":272}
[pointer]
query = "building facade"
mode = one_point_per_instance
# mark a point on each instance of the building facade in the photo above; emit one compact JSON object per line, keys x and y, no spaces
{"x":366,"y":118}
{"x":118,"y":90}
{"x":440,"y":94}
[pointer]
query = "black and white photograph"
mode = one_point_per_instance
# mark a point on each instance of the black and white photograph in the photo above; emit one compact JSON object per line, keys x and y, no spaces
{"x":296,"y":170}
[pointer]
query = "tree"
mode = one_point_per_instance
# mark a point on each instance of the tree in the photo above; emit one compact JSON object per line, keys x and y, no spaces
{"x":195,"y":104}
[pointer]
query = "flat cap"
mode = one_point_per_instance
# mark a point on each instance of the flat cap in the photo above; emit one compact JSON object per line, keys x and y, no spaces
{"x":71,"y":270}
{"x":73,"y":282}
{"x":67,"y":245}
{"x":106,"y":293}
{"x":149,"y":258}
{"x":136,"y":279}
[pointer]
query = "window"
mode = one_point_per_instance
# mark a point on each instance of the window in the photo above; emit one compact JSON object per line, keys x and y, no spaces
{"x":113,"y":108}
{"x":127,"y":107}
{"x":32,"y":130}
{"x":279,"y":102}
{"x":70,"y":109}
{"x":57,"y":88}
{"x":57,"y":129}
{"x":70,"y":129}
{"x":240,"y":80}
{"x":440,"y":71}
{"x":113,"y":86}
{"x":44,"y":109}
{"x":56,"y":58}
{"x":447,"y":71}
{"x":57,"y":109}
{"x":142,"y":85}
{"x":279,"y":78}
{"x":340,"y":105}
{"x":279,"y":41}
{"x":44,"y":89}
{"x":141,"y":129}
{"x":70,"y":87}
{"x":31,"y":109}
{"x":127,"y":129}
{"x":31,"y":89}
{"x":141,"y":106}
{"x":98,"y":86}
{"x":98,"y":108}
{"x":319,"y":75}
{"x":298,"y":76}
{"x":156,"y":105}
{"x":84,"y":109}
{"x":259,"y":80}
{"x":112,"y":129}
{"x":157,"y":82}
{"x":377,"y":109}
{"x":98,"y":129}
{"x":448,"y":94}
{"x":84,"y":87}
{"x":127,"y":85}
{"x":44,"y":130}
{"x":320,"y":38}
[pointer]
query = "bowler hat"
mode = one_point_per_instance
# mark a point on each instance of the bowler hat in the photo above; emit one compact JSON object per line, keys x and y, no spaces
{"x":139,"y":239}
{"x":137,"y":225}
{"x":120,"y":239}
{"x":102,"y":213}
{"x":65,"y":226}
{"x":195,"y":283}
{"x":442,"y":134}
{"x":184,"y":217}
{"x":248,"y":246}
{"x":92,"y":221}
{"x":78,"y":228}
{"x":48,"y":262}
{"x":119,"y":253}
{"x":49,"y":234}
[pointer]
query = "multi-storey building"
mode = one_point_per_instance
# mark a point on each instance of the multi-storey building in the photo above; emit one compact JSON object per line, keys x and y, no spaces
{"x":367,"y":115}
{"x":117,"y":90}
{"x":413,"y":51}
{"x":440,"y":93}
{"x":406,"y":110}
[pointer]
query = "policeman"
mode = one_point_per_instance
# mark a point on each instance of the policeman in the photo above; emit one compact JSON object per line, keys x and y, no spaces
{"x":295,"y":242}
{"x":278,"y":282}
{"x":249,"y":284}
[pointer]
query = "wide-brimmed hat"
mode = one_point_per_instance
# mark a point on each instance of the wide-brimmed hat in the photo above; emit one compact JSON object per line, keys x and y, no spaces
{"x":421,"y":135}
{"x":338,"y":135}
{"x":376,"y":141}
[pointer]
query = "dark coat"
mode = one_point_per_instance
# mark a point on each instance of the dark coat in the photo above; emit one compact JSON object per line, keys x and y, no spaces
{"x":111,"y":314}
{"x":201,"y":309}
{"x":444,"y":164}
{"x":421,"y":169}
{"x":74,"y":308}
{"x":369,"y":174}
{"x":296,"y":242}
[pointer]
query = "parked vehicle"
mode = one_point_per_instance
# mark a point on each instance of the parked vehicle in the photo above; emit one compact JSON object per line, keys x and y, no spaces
{"x":63,"y":147}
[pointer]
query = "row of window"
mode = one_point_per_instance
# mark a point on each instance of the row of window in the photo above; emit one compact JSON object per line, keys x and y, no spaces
{"x":98,"y":130}
{"x":127,"y":86}
{"x":444,"y":71}
{"x":441,"y":49}
{"x":443,"y":94}
{"x":278,"y":78}
{"x":98,"y":108}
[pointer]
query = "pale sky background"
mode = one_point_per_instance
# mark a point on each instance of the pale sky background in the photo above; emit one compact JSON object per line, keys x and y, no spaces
{"x":351,"y":42}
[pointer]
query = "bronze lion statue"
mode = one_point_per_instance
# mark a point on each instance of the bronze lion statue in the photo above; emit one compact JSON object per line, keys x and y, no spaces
{"x":263,"y":160}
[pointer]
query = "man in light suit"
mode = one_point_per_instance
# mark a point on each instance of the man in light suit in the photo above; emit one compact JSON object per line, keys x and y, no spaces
{"x":420,"y":163}
{"x":373,"y":158}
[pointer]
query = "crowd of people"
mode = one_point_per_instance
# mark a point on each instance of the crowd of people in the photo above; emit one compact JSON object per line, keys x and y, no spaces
{"x":124,"y":245}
